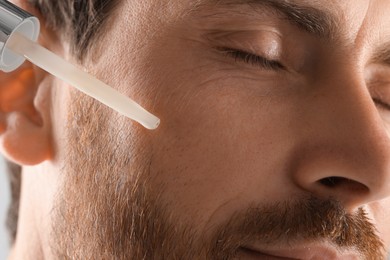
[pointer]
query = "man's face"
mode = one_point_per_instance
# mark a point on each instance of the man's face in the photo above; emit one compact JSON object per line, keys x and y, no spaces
{"x":273,"y":139}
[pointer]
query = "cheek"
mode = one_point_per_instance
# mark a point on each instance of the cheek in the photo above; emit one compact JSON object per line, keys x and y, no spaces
{"x":221,"y":149}
{"x":223,"y":143}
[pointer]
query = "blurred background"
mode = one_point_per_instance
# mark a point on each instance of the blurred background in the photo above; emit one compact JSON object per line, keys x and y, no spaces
{"x":4,"y":200}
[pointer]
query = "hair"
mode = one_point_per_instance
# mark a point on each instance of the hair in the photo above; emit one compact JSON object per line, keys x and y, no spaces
{"x":79,"y":23}
{"x":15,"y":179}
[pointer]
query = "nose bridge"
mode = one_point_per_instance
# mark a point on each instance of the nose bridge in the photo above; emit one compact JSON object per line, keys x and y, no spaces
{"x":357,"y":121}
{"x":346,"y":153}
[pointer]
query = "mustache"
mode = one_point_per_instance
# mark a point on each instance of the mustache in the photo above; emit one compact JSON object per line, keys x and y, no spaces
{"x":291,"y":222}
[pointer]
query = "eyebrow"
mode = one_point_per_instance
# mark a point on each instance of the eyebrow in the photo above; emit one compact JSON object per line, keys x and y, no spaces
{"x":310,"y":19}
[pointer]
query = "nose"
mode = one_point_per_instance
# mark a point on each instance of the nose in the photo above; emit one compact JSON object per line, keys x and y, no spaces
{"x":344,"y":152}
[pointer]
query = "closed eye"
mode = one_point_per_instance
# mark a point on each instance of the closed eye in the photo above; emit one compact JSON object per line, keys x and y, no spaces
{"x":253,"y":59}
{"x":381,"y":103}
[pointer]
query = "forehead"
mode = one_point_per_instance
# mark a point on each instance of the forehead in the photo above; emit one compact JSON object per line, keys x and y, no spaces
{"x":349,"y":17}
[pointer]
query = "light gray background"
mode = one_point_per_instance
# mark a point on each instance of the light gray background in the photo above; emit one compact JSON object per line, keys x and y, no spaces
{"x":4,"y":200}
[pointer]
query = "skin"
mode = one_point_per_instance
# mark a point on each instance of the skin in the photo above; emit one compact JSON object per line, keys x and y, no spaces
{"x":233,"y":134}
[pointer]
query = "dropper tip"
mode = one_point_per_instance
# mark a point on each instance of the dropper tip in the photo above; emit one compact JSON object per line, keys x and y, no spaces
{"x":151,"y":125}
{"x":156,"y":124}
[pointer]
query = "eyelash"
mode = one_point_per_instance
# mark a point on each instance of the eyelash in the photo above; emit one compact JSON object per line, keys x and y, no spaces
{"x":253,"y":59}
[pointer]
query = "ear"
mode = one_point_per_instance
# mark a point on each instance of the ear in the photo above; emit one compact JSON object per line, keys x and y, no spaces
{"x":24,"y":121}
{"x":25,"y":132}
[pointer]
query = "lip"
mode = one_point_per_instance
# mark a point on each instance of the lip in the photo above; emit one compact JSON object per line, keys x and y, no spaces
{"x":299,"y":252}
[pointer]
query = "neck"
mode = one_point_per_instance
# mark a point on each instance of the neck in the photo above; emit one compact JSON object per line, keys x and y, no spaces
{"x":36,"y":203}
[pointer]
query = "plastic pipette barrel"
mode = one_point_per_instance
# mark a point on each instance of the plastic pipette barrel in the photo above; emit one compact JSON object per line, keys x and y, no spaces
{"x":81,"y":80}
{"x":14,"y":19}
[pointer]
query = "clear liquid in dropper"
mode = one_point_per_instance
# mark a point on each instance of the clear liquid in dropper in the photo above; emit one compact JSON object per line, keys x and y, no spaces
{"x":81,"y":80}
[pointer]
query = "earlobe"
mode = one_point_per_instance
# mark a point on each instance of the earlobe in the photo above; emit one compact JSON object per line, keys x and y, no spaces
{"x":24,"y":121}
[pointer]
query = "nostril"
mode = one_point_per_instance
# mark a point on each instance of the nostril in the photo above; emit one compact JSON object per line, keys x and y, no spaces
{"x":345,"y":183}
{"x":333,"y":181}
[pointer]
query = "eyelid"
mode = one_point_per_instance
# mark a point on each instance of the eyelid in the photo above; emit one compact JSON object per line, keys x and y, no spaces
{"x":252,"y":59}
{"x":381,"y":103}
{"x":264,"y":41}
{"x":377,"y":78}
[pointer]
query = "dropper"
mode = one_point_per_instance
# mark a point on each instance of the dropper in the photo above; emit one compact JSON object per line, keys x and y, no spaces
{"x":18,"y":34}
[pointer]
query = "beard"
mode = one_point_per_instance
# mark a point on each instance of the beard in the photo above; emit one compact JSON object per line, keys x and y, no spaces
{"x":110,"y":207}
